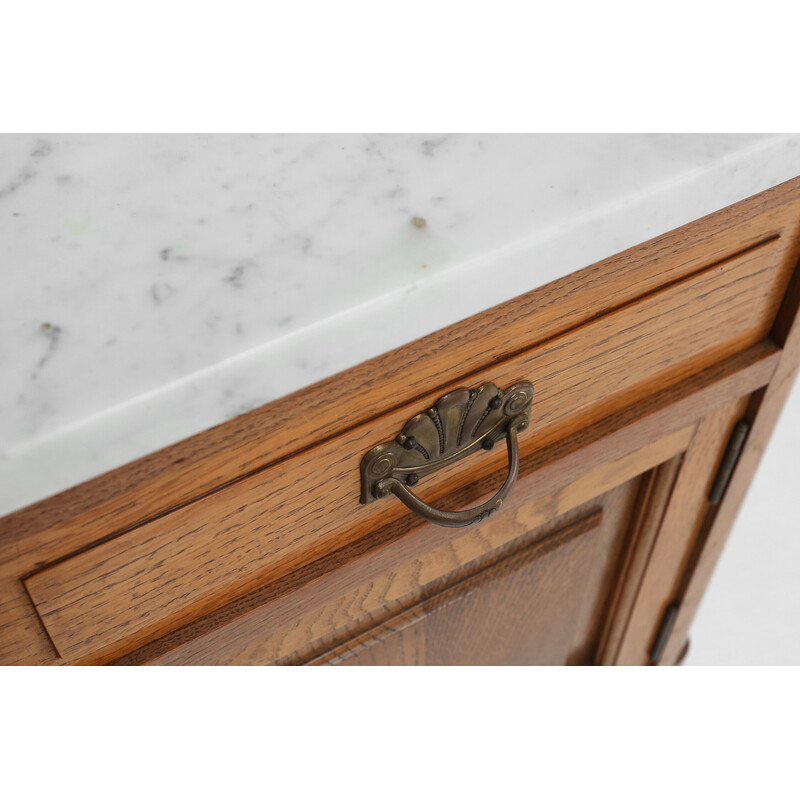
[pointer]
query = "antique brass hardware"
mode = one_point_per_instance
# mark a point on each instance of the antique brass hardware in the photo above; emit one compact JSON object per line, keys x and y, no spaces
{"x":458,"y":424}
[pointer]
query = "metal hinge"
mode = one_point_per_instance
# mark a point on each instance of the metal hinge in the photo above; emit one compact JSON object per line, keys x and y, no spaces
{"x":729,"y":461}
{"x":723,"y":477}
{"x":664,"y":630}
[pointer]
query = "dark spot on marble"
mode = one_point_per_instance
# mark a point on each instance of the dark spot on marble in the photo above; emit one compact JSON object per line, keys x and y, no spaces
{"x":53,"y":335}
{"x":41,"y":149}
{"x":418,"y":222}
{"x":396,"y":192}
{"x":16,"y":214}
{"x":284,"y":321}
{"x":424,"y":266}
{"x":236,"y":276}
{"x":373,"y":147}
{"x":429,"y":146}
{"x":63,"y":180}
{"x":168,"y":254}
{"x":24,"y":176}
{"x":161,"y":291}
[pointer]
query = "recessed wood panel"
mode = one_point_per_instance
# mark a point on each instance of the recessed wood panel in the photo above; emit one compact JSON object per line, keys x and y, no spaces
{"x":521,"y":609}
{"x":171,"y":570}
{"x":538,"y":599}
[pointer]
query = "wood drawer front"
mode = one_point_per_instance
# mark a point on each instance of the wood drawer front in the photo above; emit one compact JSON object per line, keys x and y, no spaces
{"x":116,"y":596}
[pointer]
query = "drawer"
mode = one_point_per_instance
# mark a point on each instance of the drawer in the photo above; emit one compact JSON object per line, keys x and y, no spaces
{"x":131,"y":588}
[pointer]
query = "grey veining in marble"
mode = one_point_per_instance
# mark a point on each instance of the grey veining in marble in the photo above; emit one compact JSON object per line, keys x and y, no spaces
{"x":156,"y":285}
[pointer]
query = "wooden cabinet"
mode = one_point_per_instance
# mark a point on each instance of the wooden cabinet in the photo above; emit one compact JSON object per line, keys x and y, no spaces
{"x":248,"y":544}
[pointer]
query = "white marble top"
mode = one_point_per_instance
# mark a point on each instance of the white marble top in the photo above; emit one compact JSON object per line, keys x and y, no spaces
{"x":155,"y":286}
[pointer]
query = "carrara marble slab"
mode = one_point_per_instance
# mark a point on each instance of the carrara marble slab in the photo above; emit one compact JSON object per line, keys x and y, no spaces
{"x":157,"y":285}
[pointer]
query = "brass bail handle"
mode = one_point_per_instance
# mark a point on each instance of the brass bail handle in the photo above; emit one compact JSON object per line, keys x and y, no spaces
{"x":457,"y":519}
{"x":460,"y":423}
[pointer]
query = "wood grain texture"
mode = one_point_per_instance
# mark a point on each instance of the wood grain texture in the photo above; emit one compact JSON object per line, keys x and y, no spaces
{"x":238,"y":632}
{"x":519,"y":607}
{"x":656,"y":491}
{"x":180,"y":566}
{"x":277,"y":621}
{"x":361,"y":588}
{"x":679,"y":528}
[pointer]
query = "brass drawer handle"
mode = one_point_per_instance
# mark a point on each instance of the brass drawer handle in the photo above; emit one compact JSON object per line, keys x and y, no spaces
{"x":460,"y":423}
